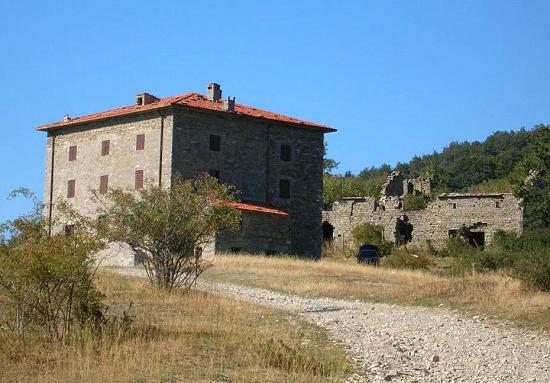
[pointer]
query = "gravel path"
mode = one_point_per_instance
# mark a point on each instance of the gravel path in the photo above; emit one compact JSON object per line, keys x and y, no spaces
{"x":414,"y":344}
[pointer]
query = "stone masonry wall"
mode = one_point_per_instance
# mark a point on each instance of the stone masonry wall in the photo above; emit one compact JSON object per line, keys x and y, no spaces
{"x":249,"y":158}
{"x":119,"y":165}
{"x":485,"y":213}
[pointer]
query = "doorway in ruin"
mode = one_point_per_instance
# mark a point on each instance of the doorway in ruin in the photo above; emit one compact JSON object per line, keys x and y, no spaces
{"x":403,"y":231}
{"x":328,"y":232}
{"x":477,"y":238}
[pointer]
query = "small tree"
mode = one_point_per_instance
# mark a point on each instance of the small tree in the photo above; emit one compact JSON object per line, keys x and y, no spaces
{"x":367,"y":233}
{"x":49,"y":278}
{"x":414,"y":202}
{"x":168,"y":227}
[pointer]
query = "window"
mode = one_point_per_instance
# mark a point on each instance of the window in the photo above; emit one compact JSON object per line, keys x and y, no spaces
{"x":454,"y":205}
{"x":140,"y":142}
{"x":105,"y":147}
{"x":215,"y":143}
{"x":497,"y":204}
{"x":70,"y":188}
{"x":284,"y":189}
{"x":214,"y":173}
{"x":285,"y":152}
{"x":72,"y":153}
{"x":138,"y":179}
{"x":103,"y":184}
{"x":68,"y":229}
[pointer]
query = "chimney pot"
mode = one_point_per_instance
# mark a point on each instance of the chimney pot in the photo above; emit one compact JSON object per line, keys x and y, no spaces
{"x":229,"y":104}
{"x":66,"y":118}
{"x":145,"y":98}
{"x":214,"y":92}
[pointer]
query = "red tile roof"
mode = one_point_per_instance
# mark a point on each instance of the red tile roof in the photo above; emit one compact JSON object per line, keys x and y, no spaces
{"x":257,"y":207}
{"x":190,"y":100}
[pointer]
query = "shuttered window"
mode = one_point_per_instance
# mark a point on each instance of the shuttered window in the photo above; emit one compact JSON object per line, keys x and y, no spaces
{"x":138,"y":179}
{"x":72,"y":153}
{"x":105,"y":147}
{"x":284,"y":189}
{"x":103,"y":184}
{"x":285,"y":152}
{"x":70,"y":188}
{"x":140,"y":142}
{"x":215,"y":143}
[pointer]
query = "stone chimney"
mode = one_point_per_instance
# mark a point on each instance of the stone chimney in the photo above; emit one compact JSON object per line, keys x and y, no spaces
{"x":214,"y":92}
{"x":229,"y":104}
{"x":145,"y":98}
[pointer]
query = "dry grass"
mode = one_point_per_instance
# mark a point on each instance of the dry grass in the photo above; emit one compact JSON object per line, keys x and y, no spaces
{"x":489,"y":294}
{"x":196,"y":337}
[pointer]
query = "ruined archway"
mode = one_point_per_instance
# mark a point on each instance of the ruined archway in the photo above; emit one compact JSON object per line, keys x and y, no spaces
{"x":328,"y":232}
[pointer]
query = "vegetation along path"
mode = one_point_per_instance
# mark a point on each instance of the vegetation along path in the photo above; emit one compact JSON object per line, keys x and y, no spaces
{"x":415,"y":344}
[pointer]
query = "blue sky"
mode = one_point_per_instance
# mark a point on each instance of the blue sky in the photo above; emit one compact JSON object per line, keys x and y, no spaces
{"x":396,"y":78}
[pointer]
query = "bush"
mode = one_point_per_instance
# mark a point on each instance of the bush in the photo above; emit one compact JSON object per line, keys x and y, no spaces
{"x":414,"y":202}
{"x":370,"y":234}
{"x":49,"y":278}
{"x":533,"y":268}
{"x":407,"y":261}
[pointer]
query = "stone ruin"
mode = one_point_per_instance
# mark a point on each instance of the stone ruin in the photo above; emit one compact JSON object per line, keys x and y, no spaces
{"x":482,"y":214}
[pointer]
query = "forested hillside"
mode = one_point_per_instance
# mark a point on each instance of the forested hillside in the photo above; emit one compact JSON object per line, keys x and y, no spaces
{"x":499,"y":164}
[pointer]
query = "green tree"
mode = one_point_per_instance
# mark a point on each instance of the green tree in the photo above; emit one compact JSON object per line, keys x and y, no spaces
{"x":168,"y":227}
{"x":531,"y":179}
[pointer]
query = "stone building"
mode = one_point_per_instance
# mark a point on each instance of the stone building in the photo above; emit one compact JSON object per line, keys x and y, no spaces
{"x":444,"y":215}
{"x":275,"y":162}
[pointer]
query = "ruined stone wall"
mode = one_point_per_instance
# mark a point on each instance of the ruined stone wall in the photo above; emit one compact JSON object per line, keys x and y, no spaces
{"x":482,"y":213}
{"x":249,"y":158}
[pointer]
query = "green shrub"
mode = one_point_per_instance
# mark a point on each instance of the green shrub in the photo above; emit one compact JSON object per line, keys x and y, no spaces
{"x":533,"y":268}
{"x":369,"y":234}
{"x":414,"y":202}
{"x":407,"y":261}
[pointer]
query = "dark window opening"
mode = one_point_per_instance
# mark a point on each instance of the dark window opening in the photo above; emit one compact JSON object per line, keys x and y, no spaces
{"x":453,"y":233}
{"x":105,"y":147}
{"x":284,"y":189}
{"x":215,"y":143}
{"x":138,"y":179}
{"x":139,"y":100}
{"x":214,"y":173}
{"x":103,"y":184}
{"x":410,"y":188}
{"x":454,"y":205}
{"x":71,"y":188}
{"x":477,"y":238}
{"x":285,"y":152}
{"x":140,"y":142}
{"x":328,"y":231}
{"x":72,"y":153}
{"x":497,"y":204}
{"x":68,"y":230}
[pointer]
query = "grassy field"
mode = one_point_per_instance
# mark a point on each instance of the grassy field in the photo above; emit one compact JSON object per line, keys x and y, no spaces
{"x":490,"y":294}
{"x":197,"y":337}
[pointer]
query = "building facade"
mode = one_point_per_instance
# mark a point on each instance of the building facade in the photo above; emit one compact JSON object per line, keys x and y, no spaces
{"x":274,"y":161}
{"x":482,"y":214}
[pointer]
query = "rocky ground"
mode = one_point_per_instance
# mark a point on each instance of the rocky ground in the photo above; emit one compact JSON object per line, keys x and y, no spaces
{"x":415,"y":344}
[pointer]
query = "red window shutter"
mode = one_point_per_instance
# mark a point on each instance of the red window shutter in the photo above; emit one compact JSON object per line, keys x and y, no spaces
{"x":140,"y":142}
{"x":105,"y":147}
{"x":139,"y":179}
{"x":103,"y":184}
{"x":70,"y":188}
{"x":72,"y":153}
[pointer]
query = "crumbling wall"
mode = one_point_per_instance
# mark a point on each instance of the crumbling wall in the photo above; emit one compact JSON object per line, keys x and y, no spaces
{"x":483,"y":213}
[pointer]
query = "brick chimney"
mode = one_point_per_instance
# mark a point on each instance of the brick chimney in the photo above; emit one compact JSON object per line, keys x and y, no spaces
{"x":145,"y":98}
{"x":214,"y":92}
{"x":229,"y":104}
